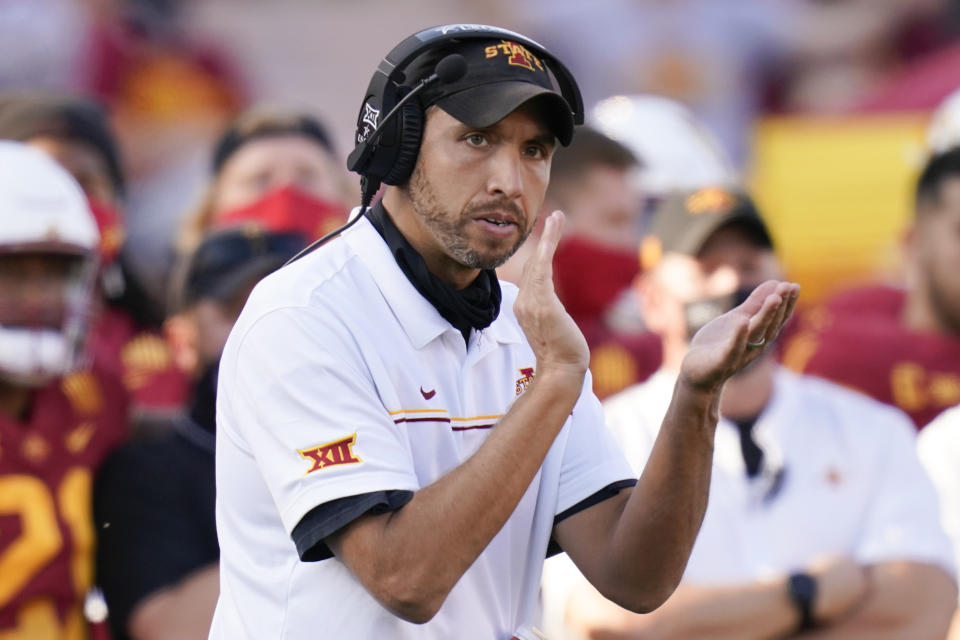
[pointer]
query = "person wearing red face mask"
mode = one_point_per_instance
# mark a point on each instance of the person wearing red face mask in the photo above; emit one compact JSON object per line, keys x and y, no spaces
{"x":287,"y":209}
{"x":124,"y":340}
{"x":273,"y":171}
{"x":279,"y":170}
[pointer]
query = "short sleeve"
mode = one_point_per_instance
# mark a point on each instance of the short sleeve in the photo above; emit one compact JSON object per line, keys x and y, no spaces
{"x":903,"y":519}
{"x":298,"y":395}
{"x":311,"y":533}
{"x":592,"y":459}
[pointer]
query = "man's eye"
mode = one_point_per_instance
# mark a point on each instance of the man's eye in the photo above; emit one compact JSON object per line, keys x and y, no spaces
{"x":476,"y":139}
{"x":535,"y":151}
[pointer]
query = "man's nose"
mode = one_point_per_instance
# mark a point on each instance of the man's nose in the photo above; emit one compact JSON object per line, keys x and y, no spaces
{"x":505,"y":175}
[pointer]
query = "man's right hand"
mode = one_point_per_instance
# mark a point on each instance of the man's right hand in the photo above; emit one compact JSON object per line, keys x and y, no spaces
{"x":553,"y":335}
{"x":841,"y":585}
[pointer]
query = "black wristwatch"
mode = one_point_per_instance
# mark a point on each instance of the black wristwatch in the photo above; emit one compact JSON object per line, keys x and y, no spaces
{"x":802,"y":589}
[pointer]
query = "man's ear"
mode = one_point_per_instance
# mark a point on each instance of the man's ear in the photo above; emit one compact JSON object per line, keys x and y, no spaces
{"x":911,"y":248}
{"x":662,"y":310}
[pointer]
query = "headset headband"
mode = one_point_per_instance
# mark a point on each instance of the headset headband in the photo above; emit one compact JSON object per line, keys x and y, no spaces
{"x":404,"y":53}
{"x":391,"y":156}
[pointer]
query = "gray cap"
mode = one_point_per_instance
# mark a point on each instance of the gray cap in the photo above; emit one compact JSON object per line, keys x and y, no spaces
{"x":684,"y":222}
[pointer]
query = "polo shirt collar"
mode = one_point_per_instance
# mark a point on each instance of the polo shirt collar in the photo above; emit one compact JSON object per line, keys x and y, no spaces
{"x":419,"y":319}
{"x":504,"y":329}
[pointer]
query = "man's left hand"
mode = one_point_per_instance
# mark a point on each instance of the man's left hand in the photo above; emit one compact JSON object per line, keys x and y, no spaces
{"x":730,"y":342}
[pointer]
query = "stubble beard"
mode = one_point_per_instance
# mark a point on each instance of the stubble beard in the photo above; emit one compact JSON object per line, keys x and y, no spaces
{"x":450,"y":231}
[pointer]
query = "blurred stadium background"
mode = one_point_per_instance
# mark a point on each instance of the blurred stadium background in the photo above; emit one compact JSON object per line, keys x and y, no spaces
{"x":822,"y":104}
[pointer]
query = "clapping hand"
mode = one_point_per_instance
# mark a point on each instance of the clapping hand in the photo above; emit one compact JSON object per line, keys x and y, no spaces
{"x":727,"y":344}
{"x":553,"y":335}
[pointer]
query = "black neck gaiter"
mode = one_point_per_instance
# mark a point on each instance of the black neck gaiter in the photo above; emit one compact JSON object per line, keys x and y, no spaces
{"x":752,"y":453}
{"x":474,"y":307}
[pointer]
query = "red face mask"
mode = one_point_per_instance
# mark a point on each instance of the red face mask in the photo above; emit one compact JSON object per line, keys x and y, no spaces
{"x":288,"y":209}
{"x":590,"y":277}
{"x":110,"y":225}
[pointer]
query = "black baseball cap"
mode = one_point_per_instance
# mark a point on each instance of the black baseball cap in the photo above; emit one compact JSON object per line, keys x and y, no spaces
{"x":228,"y":260}
{"x":501,"y":76}
{"x":685,"y":221}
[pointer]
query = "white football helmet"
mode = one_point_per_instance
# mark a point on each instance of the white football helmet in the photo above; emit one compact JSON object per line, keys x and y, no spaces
{"x":43,"y":211}
{"x":677,"y":153}
{"x":943,"y":132}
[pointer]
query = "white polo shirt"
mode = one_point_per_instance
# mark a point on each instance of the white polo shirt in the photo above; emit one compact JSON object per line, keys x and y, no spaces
{"x":340,"y":379}
{"x":841,"y":477}
{"x":938,"y":446}
{"x":849,"y":482}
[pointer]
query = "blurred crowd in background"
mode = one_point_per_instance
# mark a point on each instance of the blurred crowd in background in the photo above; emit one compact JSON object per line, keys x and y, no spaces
{"x":209,"y":138}
{"x":770,"y":80}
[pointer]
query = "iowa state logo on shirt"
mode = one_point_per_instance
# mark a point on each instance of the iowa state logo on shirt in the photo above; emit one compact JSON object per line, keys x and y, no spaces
{"x":523,"y":382}
{"x":331,"y":454}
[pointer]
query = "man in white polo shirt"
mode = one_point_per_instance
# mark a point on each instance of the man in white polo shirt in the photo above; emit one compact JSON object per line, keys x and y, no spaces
{"x":401,"y":442}
{"x":821,"y":521}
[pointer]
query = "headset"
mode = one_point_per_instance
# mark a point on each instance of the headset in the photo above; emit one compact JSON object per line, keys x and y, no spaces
{"x":395,"y":153}
{"x":387,"y":148}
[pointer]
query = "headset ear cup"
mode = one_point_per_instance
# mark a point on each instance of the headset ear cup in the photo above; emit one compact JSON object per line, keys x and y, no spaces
{"x":411,"y":131}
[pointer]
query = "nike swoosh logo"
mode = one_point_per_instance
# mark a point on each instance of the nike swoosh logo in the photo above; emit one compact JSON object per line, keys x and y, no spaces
{"x":428,"y":394}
